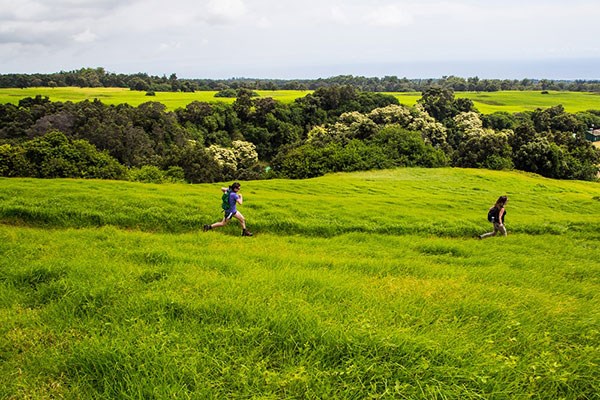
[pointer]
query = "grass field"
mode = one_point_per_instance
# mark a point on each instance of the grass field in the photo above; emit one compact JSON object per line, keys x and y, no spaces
{"x":517,"y":101}
{"x":363,"y":285}
{"x":509,"y":101}
{"x":172,"y":100}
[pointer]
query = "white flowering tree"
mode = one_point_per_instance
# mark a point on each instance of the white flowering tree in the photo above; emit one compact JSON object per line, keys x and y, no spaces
{"x":245,"y":154}
{"x":392,"y":114}
{"x":234,"y":160}
{"x":432,"y":131}
{"x":225,"y":158}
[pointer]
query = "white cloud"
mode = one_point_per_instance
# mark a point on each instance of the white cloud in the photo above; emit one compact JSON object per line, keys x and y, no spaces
{"x":223,"y":11}
{"x":85,"y":37}
{"x":339,"y":15}
{"x":245,"y":37}
{"x":169,"y":46}
{"x":389,"y":15}
{"x":264,"y":23}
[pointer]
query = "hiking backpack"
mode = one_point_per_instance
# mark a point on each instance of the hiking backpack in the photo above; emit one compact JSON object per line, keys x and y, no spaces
{"x":225,"y":200}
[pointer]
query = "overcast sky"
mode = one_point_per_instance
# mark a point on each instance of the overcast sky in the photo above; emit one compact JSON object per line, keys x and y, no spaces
{"x":515,"y":39}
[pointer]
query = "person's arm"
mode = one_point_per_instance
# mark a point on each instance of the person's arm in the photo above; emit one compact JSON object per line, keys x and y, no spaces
{"x":239,"y":199}
{"x":224,"y":189}
{"x":500,"y":215}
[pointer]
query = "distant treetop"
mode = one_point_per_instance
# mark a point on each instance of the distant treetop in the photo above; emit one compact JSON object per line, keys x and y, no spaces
{"x":99,"y":77}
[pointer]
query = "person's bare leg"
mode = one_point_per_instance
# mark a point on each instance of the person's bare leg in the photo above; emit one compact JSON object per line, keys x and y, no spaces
{"x":219,"y":224}
{"x":238,"y":215}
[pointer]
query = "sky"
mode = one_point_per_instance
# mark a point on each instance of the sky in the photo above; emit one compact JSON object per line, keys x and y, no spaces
{"x":306,"y":39}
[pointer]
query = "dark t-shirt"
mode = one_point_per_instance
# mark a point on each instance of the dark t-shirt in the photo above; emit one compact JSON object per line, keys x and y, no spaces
{"x":497,"y":214}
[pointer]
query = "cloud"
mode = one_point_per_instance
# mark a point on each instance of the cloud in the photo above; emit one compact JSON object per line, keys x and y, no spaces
{"x":85,"y":37}
{"x":225,"y":11}
{"x":53,"y":23}
{"x":42,"y":33}
{"x":169,"y":46}
{"x":250,"y":36}
{"x":389,"y":15}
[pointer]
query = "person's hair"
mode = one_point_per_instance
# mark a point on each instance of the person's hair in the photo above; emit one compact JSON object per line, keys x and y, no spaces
{"x":501,"y":201}
{"x":234,"y":185}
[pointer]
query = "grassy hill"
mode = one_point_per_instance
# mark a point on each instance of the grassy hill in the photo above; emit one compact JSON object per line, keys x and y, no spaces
{"x":355,"y":285}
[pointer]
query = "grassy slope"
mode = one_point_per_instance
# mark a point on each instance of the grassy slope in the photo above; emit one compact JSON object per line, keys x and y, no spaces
{"x":417,"y":201}
{"x":509,"y":101}
{"x":355,"y":285}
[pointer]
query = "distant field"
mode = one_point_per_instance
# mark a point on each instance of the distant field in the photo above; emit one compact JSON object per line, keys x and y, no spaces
{"x":486,"y":102}
{"x":172,"y":100}
{"x":513,"y":101}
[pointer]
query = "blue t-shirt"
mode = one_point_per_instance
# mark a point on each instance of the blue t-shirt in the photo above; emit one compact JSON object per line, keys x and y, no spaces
{"x":233,"y":196}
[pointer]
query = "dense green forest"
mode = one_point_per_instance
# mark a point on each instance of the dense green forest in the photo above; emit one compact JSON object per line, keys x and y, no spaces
{"x":99,"y":77}
{"x":336,"y":128}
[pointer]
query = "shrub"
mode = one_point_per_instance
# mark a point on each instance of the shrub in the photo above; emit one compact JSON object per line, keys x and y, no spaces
{"x":175,"y":174}
{"x":147,"y":174}
{"x":231,"y":93}
{"x":55,"y":156}
{"x":408,"y":149}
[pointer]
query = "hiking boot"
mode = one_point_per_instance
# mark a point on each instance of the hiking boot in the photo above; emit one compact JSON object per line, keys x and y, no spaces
{"x":246,"y":232}
{"x":206,"y":228}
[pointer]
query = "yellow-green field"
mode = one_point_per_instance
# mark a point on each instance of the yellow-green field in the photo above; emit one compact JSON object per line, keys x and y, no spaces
{"x":512,"y":101}
{"x":355,"y":286}
{"x":486,"y":102}
{"x":172,"y":100}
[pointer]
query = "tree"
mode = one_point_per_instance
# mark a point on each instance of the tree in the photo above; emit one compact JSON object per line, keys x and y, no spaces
{"x":245,"y":154}
{"x":479,"y":147}
{"x":139,"y":84}
{"x":498,"y":121}
{"x":13,"y":161}
{"x":438,"y":102}
{"x":407,"y":148}
{"x":55,"y":156}
{"x":540,"y":156}
{"x":226,"y":159}
{"x":243,"y":104}
{"x":197,"y":164}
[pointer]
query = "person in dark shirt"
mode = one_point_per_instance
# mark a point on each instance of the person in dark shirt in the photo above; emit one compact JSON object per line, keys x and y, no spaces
{"x":234,"y":199}
{"x":498,"y":213}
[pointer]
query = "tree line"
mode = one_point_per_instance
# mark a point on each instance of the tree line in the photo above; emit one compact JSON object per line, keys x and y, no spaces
{"x":99,"y":77}
{"x":335,"y":128}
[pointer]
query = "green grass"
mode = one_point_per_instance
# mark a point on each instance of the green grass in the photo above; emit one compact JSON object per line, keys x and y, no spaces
{"x":355,"y":286}
{"x":113,"y":96}
{"x":513,"y":101}
{"x":487,"y":103}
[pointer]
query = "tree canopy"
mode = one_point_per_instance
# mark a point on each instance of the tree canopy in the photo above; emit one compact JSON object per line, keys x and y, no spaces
{"x":336,"y":128}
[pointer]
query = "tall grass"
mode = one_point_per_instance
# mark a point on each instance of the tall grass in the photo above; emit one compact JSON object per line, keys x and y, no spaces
{"x":447,"y":202}
{"x":355,"y":286}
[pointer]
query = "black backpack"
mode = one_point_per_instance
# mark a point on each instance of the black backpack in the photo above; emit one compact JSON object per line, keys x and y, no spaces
{"x":492,"y":214}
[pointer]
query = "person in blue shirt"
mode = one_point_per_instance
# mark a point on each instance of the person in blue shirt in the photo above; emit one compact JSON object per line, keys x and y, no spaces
{"x":234,"y":198}
{"x":499,"y":212}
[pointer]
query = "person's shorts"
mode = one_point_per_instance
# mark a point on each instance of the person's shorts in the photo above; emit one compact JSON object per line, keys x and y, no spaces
{"x":229,"y":215}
